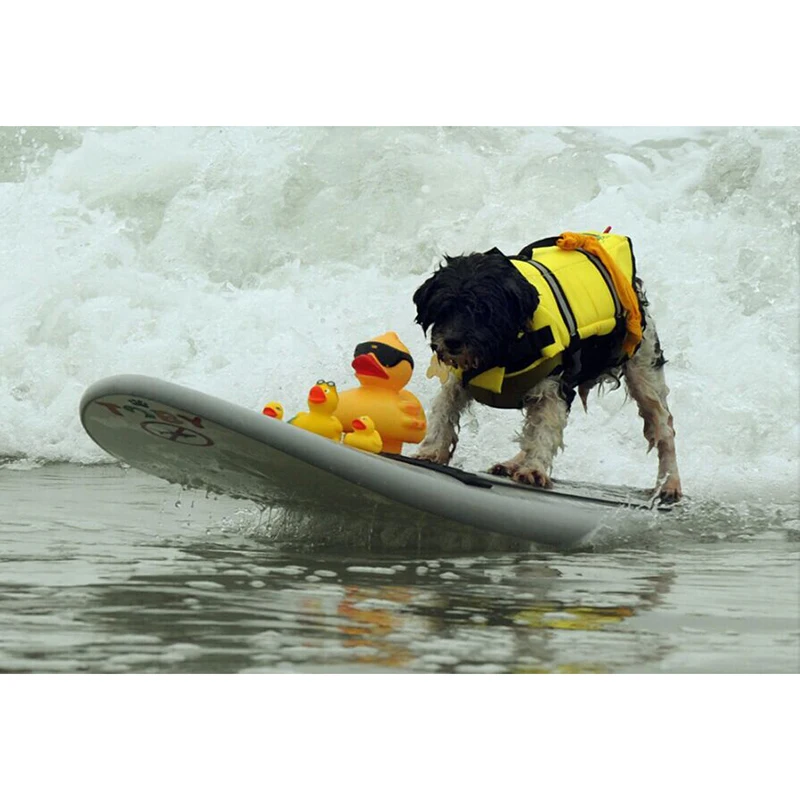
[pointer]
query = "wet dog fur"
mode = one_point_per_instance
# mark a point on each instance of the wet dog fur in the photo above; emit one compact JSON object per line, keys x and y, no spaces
{"x":474,"y":306}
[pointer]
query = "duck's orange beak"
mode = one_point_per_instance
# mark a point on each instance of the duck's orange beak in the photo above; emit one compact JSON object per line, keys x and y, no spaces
{"x":316,"y":395}
{"x":359,"y":425}
{"x":269,"y":412}
{"x":370,"y":366}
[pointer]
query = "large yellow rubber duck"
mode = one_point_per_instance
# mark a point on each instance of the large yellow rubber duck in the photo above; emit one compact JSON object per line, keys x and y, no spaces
{"x":383,"y":366}
{"x":322,"y":402}
{"x":364,"y":436}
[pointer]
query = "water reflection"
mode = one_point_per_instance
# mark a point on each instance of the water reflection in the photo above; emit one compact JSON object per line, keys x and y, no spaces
{"x":239,"y":609}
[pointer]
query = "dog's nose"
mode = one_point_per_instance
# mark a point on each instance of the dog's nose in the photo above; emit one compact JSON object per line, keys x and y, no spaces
{"x":452,"y":344}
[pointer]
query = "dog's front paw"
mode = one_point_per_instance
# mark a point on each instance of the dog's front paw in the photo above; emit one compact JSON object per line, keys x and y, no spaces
{"x":504,"y":468}
{"x":521,"y":473}
{"x":436,"y":454}
{"x":533,"y":476}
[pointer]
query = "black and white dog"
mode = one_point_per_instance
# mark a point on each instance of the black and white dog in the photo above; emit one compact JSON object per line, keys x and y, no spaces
{"x":475,"y":307}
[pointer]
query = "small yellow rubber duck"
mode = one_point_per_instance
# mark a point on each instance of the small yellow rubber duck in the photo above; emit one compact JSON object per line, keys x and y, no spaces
{"x":364,"y":436}
{"x":322,"y":401}
{"x":274,"y":410}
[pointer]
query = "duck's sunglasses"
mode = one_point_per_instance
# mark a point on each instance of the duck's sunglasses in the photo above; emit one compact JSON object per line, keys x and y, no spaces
{"x":387,"y":355}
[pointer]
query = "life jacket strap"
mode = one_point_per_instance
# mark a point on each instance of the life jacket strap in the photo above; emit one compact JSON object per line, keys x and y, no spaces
{"x":527,"y":252}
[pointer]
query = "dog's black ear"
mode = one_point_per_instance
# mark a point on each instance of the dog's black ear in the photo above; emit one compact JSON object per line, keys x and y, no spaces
{"x":424,"y":300}
{"x":522,"y":298}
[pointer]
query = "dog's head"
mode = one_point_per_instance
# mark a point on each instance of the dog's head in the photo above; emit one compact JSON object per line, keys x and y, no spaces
{"x":475,"y":306}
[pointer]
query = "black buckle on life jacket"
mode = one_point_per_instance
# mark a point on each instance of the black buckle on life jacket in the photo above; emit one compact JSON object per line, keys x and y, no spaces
{"x":525,"y":351}
{"x":528,"y":348}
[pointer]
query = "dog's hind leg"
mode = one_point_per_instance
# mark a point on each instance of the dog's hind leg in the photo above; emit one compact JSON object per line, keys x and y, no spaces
{"x":441,"y":437}
{"x":546,"y":412}
{"x":644,"y":376}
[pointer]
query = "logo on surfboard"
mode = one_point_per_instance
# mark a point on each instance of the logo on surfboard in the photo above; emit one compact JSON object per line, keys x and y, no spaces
{"x":179,"y":428}
{"x":176,"y":433}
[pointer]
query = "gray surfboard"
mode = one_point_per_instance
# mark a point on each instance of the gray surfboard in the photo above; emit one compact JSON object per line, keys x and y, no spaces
{"x":202,"y":442}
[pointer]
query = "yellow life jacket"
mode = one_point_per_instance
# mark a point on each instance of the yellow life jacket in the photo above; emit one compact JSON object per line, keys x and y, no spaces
{"x":585,"y":286}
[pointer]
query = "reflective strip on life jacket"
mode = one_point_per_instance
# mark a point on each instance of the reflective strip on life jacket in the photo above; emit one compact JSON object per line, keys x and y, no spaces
{"x":558,"y":296}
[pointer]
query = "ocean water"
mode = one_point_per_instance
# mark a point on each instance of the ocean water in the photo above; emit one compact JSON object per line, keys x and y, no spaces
{"x":247,"y":263}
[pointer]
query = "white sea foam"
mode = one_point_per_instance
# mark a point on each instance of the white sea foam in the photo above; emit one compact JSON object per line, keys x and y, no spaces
{"x":248,"y":262}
